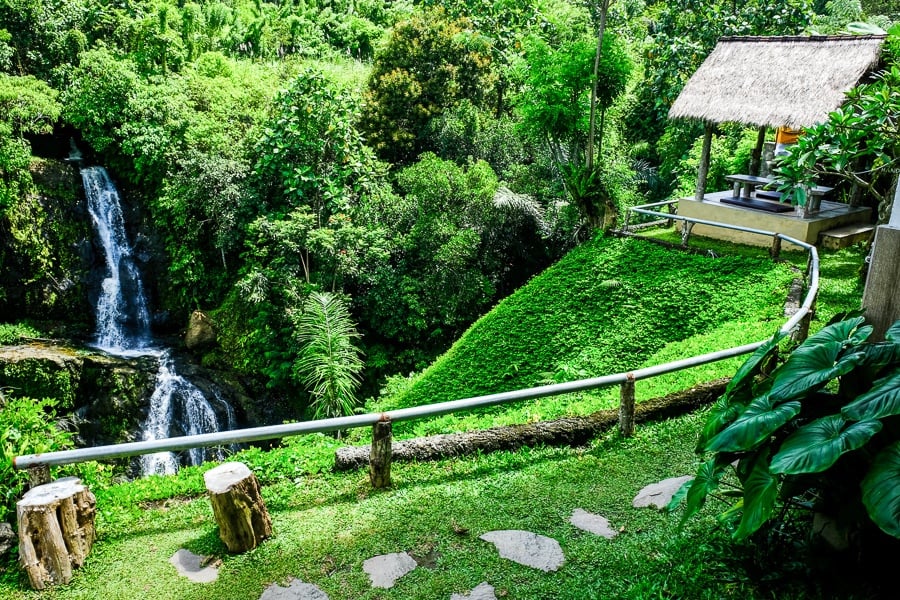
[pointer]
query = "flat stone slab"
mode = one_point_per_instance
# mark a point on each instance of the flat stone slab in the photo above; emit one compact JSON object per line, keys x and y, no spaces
{"x":296,"y":590}
{"x":527,"y":548}
{"x":386,"y":569}
{"x":483,"y":591}
{"x":659,"y":494}
{"x":592,"y":523}
{"x":192,"y":566}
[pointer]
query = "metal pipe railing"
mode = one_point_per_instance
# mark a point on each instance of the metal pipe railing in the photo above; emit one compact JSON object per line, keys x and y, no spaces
{"x":256,"y":434}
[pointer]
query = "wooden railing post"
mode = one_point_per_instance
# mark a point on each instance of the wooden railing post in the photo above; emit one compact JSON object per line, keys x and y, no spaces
{"x":626,"y":406}
{"x":802,"y":332}
{"x":775,"y":250}
{"x":686,"y":233}
{"x":380,"y":456}
{"x":38,"y":475}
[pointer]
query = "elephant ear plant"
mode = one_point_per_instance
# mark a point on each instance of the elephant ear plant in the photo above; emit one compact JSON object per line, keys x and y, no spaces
{"x":821,"y":431}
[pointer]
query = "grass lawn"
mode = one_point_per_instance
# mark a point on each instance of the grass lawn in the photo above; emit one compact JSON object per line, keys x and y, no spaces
{"x":327,"y":525}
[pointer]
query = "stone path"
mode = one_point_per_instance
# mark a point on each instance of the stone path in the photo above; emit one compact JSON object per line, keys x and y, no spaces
{"x":659,"y":494}
{"x":523,"y":547}
{"x":194,"y":567}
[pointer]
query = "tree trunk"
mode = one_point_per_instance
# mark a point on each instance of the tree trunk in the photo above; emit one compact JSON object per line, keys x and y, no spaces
{"x":56,"y":530}
{"x":570,"y":431}
{"x":238,"y":506}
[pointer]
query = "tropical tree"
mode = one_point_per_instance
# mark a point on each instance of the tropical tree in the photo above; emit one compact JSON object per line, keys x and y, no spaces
{"x":859,"y":143}
{"x":428,"y":65}
{"x":329,"y":364}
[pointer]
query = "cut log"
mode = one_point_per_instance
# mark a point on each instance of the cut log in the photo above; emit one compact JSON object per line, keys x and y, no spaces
{"x":571,"y":431}
{"x":238,"y":506}
{"x":56,"y":530}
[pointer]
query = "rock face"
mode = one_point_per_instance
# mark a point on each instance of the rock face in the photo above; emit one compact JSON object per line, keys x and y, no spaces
{"x":7,"y":538}
{"x":107,"y":397}
{"x":201,"y":332}
{"x":45,"y":242}
{"x":104,"y":393}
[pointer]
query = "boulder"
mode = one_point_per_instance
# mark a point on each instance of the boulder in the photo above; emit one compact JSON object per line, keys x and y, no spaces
{"x":201,"y":332}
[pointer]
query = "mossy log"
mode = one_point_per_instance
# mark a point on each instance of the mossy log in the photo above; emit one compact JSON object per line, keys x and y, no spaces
{"x":570,"y":431}
{"x":238,"y":507}
{"x":56,"y":530}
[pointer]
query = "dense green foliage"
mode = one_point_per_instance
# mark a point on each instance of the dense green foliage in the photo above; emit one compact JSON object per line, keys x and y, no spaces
{"x":859,"y":143}
{"x":818,"y":432}
{"x":27,"y":426}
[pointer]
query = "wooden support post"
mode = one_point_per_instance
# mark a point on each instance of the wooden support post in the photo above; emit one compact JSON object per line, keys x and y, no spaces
{"x":756,"y":155}
{"x":626,"y":406}
{"x":38,"y":475}
{"x":799,"y":335}
{"x":775,"y":250}
{"x":881,"y":298}
{"x":704,"y":163}
{"x":381,"y":454}
{"x":686,"y":233}
{"x":56,"y":531}
{"x":238,"y":506}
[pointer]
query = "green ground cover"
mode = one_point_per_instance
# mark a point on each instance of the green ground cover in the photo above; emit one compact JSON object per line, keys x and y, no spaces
{"x":326,"y":525}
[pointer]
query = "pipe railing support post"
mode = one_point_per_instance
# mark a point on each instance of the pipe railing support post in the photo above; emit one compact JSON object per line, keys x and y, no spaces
{"x":626,"y":406}
{"x":380,"y":456}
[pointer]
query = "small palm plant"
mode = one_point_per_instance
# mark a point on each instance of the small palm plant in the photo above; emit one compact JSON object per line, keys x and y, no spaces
{"x":821,"y":431}
{"x":329,"y":364}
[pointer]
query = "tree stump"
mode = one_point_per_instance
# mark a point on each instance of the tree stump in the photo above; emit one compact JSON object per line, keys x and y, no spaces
{"x":380,"y":456}
{"x":238,"y":506}
{"x":56,"y":530}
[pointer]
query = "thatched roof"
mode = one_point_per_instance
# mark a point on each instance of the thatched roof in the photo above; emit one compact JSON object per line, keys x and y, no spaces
{"x":775,"y":81}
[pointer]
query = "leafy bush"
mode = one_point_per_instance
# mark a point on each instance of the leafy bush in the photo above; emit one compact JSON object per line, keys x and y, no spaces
{"x":27,"y":426}
{"x":13,"y":333}
{"x":820,"y":431}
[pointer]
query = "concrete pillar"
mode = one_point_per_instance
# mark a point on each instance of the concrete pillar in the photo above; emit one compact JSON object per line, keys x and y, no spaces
{"x":881,"y":298}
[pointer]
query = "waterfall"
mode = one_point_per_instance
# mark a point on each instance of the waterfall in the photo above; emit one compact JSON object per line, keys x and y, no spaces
{"x":123,"y":328}
{"x":123,"y":321}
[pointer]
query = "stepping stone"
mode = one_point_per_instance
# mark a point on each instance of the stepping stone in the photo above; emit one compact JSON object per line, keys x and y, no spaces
{"x":296,"y":590}
{"x":484,"y":591}
{"x":193,"y":567}
{"x":659,"y":494}
{"x":526,"y":548}
{"x":592,"y":523}
{"x":386,"y":569}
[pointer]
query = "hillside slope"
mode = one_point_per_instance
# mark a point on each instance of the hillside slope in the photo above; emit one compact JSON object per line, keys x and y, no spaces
{"x":606,"y":307}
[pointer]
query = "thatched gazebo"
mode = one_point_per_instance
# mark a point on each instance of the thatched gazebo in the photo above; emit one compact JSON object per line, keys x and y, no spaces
{"x":774,"y":82}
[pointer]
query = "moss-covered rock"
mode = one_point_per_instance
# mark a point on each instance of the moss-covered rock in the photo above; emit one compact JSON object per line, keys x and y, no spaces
{"x":45,"y":249}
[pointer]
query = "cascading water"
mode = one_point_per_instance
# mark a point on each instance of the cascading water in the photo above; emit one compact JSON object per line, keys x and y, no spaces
{"x":123,"y":328}
{"x":123,"y":321}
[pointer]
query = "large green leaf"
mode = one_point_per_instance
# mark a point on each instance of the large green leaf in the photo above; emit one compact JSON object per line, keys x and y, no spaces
{"x":744,"y":376}
{"x":893,"y":332}
{"x":882,"y":400}
{"x":881,"y":490}
{"x":845,"y":331}
{"x":760,"y":492}
{"x":810,"y":367}
{"x":816,"y":446}
{"x":704,"y":483}
{"x":761,"y":419}
{"x":722,"y":413}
